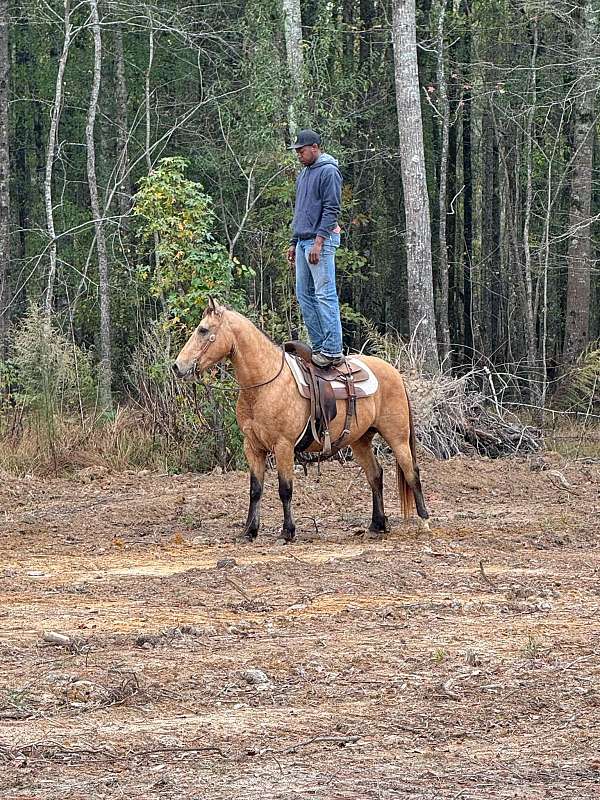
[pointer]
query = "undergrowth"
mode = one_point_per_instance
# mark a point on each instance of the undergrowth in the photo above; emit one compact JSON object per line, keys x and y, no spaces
{"x":50,"y":423}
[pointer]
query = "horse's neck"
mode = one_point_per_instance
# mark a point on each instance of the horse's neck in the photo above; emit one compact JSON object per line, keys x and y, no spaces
{"x":255,"y":358}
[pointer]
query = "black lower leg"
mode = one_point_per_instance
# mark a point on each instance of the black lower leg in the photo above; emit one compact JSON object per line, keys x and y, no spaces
{"x":378,"y":521}
{"x":285,"y":495}
{"x":418,"y":493}
{"x":253,"y":521}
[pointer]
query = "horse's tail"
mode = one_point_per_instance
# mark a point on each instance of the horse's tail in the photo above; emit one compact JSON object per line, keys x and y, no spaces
{"x":405,"y":493}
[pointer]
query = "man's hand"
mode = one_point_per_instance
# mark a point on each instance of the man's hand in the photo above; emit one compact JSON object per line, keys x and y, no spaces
{"x":315,"y":251}
{"x":291,"y":255}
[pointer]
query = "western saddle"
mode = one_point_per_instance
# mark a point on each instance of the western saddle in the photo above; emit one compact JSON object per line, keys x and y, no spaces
{"x":323,"y":386}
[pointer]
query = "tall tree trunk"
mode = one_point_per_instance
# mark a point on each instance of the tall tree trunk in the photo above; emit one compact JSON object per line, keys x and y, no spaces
{"x":123,"y":170}
{"x":292,"y":25}
{"x":530,"y":327}
{"x":105,"y":366}
{"x":444,"y":112}
{"x":147,"y":95}
{"x":579,"y":254}
{"x":5,"y":249}
{"x":50,"y":154}
{"x":490,"y":239}
{"x":468,"y":190}
{"x":451,"y":212}
{"x":421,"y":313}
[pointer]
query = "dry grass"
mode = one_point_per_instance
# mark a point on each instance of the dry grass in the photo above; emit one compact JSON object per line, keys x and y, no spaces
{"x":124,"y":442}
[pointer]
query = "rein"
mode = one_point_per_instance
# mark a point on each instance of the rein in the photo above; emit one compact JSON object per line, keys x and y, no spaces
{"x":274,"y":378}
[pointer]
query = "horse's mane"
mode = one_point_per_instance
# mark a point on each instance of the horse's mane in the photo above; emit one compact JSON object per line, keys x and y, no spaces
{"x":247,"y":319}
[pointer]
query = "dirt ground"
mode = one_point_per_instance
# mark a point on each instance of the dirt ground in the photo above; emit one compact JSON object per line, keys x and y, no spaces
{"x":459,"y":663}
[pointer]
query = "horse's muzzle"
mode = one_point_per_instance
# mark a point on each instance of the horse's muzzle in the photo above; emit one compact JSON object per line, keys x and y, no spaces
{"x":183,"y":373}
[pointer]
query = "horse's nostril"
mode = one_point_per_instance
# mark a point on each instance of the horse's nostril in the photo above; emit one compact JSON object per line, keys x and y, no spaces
{"x":175,"y":369}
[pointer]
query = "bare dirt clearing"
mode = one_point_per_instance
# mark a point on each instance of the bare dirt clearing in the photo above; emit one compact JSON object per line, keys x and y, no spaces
{"x":460,"y":663}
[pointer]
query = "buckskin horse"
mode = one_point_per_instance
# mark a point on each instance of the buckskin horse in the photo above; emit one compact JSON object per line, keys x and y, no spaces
{"x":272,"y":415}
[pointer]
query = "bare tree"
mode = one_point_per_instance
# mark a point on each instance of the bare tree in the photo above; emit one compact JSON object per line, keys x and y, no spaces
{"x":105,"y":366}
{"x":5,"y":252}
{"x":147,"y":96}
{"x":578,"y":258}
{"x":50,"y":156}
{"x":292,"y":23}
{"x":123,"y":172}
{"x":443,"y":107}
{"x":416,"y":202}
{"x":530,"y":331}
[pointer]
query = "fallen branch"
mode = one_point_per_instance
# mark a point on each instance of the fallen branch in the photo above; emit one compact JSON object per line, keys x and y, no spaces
{"x":237,"y":588}
{"x":339,"y":740}
{"x":484,"y":576}
{"x":54,"y":750}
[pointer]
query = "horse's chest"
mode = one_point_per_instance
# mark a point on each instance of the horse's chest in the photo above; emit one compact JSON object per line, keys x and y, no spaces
{"x":255,"y":428}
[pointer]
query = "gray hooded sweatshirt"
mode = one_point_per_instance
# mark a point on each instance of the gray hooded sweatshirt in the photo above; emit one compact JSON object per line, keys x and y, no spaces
{"x":318,"y":199}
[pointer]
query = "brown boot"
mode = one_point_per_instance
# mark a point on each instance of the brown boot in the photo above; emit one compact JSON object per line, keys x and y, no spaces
{"x":321,"y":360}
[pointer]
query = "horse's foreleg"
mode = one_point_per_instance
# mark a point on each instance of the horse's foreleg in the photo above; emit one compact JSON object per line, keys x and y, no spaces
{"x":284,"y":456}
{"x":256,"y":460}
{"x":364,"y":455}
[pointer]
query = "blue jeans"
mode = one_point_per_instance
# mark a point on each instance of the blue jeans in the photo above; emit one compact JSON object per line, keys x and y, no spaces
{"x":317,"y":295}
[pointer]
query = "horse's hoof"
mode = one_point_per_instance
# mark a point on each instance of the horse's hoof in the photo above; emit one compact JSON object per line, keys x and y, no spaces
{"x":249,"y":536}
{"x":287,"y":538}
{"x":423,"y":524}
{"x":379,"y":529}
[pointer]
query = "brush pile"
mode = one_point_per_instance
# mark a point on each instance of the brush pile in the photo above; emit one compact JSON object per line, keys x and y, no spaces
{"x":452,"y":416}
{"x":456,"y":414}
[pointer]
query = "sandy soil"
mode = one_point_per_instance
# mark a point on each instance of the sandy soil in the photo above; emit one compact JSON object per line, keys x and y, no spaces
{"x":459,"y":663}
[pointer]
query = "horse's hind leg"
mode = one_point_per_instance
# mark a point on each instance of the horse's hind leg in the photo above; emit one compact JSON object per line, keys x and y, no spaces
{"x":256,"y":460}
{"x":284,"y":456}
{"x":364,"y":455}
{"x":404,"y":458}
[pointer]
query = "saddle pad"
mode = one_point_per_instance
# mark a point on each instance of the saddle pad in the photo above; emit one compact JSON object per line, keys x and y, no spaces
{"x":363,"y":389}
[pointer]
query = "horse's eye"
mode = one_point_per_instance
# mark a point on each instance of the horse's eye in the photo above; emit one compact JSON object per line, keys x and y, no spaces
{"x":202,"y":330}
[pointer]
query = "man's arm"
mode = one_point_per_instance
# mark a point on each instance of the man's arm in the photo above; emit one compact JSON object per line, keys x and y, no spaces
{"x":331,"y":198}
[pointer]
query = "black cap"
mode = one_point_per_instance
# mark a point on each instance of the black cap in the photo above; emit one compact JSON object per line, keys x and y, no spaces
{"x":304,"y":138}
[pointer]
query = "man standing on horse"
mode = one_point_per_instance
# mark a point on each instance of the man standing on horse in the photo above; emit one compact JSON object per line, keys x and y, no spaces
{"x":316,"y":237}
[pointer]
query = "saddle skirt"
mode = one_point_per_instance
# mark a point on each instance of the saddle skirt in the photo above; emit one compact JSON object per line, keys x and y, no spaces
{"x":365,"y":381}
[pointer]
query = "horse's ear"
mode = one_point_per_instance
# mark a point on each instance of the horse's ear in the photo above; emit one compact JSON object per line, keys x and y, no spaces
{"x":211,"y":308}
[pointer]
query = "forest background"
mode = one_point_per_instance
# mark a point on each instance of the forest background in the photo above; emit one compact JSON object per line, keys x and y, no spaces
{"x":143,"y":167}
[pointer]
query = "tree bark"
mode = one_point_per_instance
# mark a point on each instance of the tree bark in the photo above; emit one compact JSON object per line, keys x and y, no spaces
{"x":490,"y":240}
{"x":579,"y":254}
{"x":468,"y":191}
{"x":444,"y":112}
{"x":5,"y":248}
{"x":421,"y":313}
{"x":292,"y":25}
{"x":147,"y":95}
{"x":530,"y":327}
{"x":123,"y":171}
{"x":50,"y":154}
{"x":105,"y":366}
{"x":453,"y":193}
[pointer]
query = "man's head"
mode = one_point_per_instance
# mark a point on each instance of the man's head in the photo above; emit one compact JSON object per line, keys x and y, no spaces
{"x":307,"y":147}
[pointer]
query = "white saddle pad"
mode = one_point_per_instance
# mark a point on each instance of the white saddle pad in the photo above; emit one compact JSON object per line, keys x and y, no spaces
{"x":367,"y":387}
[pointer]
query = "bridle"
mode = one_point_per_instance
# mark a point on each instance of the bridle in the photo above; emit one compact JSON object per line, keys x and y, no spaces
{"x":211,"y":339}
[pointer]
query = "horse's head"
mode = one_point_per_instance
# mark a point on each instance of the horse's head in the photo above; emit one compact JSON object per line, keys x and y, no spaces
{"x":211,"y":341}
